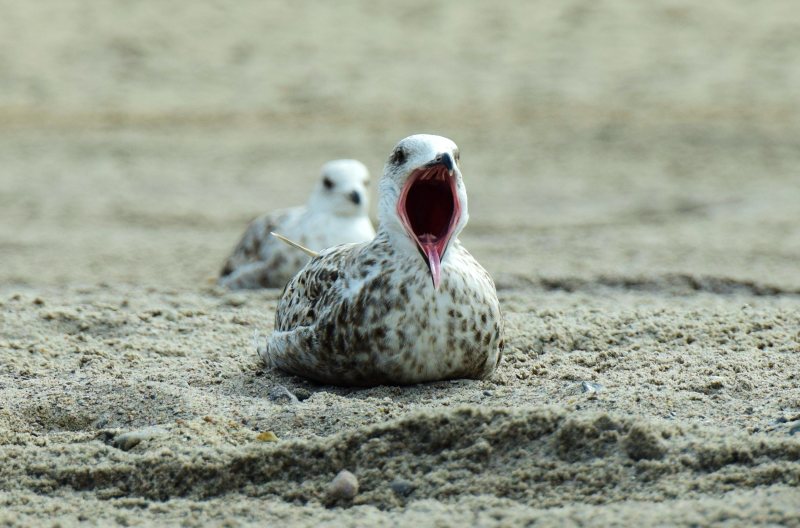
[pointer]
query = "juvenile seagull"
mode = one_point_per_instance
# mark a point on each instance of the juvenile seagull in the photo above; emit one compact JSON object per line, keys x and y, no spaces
{"x":410,"y":306}
{"x":336,"y":213}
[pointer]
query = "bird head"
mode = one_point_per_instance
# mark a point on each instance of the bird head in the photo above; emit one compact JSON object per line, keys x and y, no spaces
{"x":342,"y":188}
{"x":422,"y":197}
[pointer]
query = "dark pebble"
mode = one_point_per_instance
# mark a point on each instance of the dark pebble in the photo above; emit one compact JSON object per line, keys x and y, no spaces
{"x":402,"y":488}
{"x":302,"y":394}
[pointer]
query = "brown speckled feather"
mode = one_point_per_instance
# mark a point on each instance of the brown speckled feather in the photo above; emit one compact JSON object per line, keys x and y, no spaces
{"x":354,"y":317}
{"x":248,"y":249}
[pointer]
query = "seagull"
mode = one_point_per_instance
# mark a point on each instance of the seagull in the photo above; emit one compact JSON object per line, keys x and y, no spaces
{"x":336,"y":213}
{"x":411,"y":305}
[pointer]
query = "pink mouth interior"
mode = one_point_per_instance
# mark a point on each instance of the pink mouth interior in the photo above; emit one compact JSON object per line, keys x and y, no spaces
{"x":429,"y":209}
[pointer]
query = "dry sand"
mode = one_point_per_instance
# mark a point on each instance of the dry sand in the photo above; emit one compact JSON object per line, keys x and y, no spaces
{"x":634,"y":190}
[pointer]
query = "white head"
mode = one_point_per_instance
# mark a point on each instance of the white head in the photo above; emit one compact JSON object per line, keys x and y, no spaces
{"x":423,"y":201}
{"x":342,"y":189}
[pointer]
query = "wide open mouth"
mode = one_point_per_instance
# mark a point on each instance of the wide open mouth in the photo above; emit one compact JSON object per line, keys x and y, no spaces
{"x":429,"y":210}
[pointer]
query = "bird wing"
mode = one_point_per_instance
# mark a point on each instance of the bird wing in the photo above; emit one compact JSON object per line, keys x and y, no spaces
{"x":318,"y":287}
{"x":255,"y":240}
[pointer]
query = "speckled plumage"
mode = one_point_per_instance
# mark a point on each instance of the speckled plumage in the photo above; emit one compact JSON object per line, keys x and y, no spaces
{"x":336,"y":213}
{"x":369,"y":313}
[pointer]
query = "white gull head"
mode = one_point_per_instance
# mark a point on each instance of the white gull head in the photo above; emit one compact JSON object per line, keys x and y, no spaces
{"x":342,"y":189}
{"x":423,"y":201}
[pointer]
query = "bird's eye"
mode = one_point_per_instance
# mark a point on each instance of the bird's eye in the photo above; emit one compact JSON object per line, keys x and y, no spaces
{"x":398,"y":156}
{"x":456,"y":155}
{"x":327,"y":183}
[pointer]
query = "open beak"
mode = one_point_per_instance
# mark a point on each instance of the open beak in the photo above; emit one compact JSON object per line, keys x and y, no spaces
{"x":429,"y":209}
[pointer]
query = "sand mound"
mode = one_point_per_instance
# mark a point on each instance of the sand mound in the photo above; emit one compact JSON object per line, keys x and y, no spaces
{"x":154,"y":402}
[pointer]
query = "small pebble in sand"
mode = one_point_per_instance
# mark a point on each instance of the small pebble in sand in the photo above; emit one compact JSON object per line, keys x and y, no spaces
{"x":590,"y":387}
{"x":129,"y":440}
{"x":267,"y":436}
{"x":235,"y":300}
{"x":281,"y":394}
{"x":343,"y":487}
{"x":302,"y":394}
{"x":402,"y":487}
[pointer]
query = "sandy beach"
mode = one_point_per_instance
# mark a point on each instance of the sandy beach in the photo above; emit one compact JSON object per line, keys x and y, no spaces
{"x":634,"y":178}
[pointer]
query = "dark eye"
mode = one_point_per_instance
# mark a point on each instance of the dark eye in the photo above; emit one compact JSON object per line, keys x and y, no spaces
{"x":327,"y":183}
{"x":456,"y":155}
{"x":398,"y":156}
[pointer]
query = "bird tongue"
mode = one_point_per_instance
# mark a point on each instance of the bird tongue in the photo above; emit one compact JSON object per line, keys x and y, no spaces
{"x":429,"y":210}
{"x":430,"y":246}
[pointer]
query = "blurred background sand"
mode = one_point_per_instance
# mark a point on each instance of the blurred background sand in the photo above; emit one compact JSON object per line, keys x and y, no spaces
{"x":632,"y":171}
{"x":598,"y":138}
